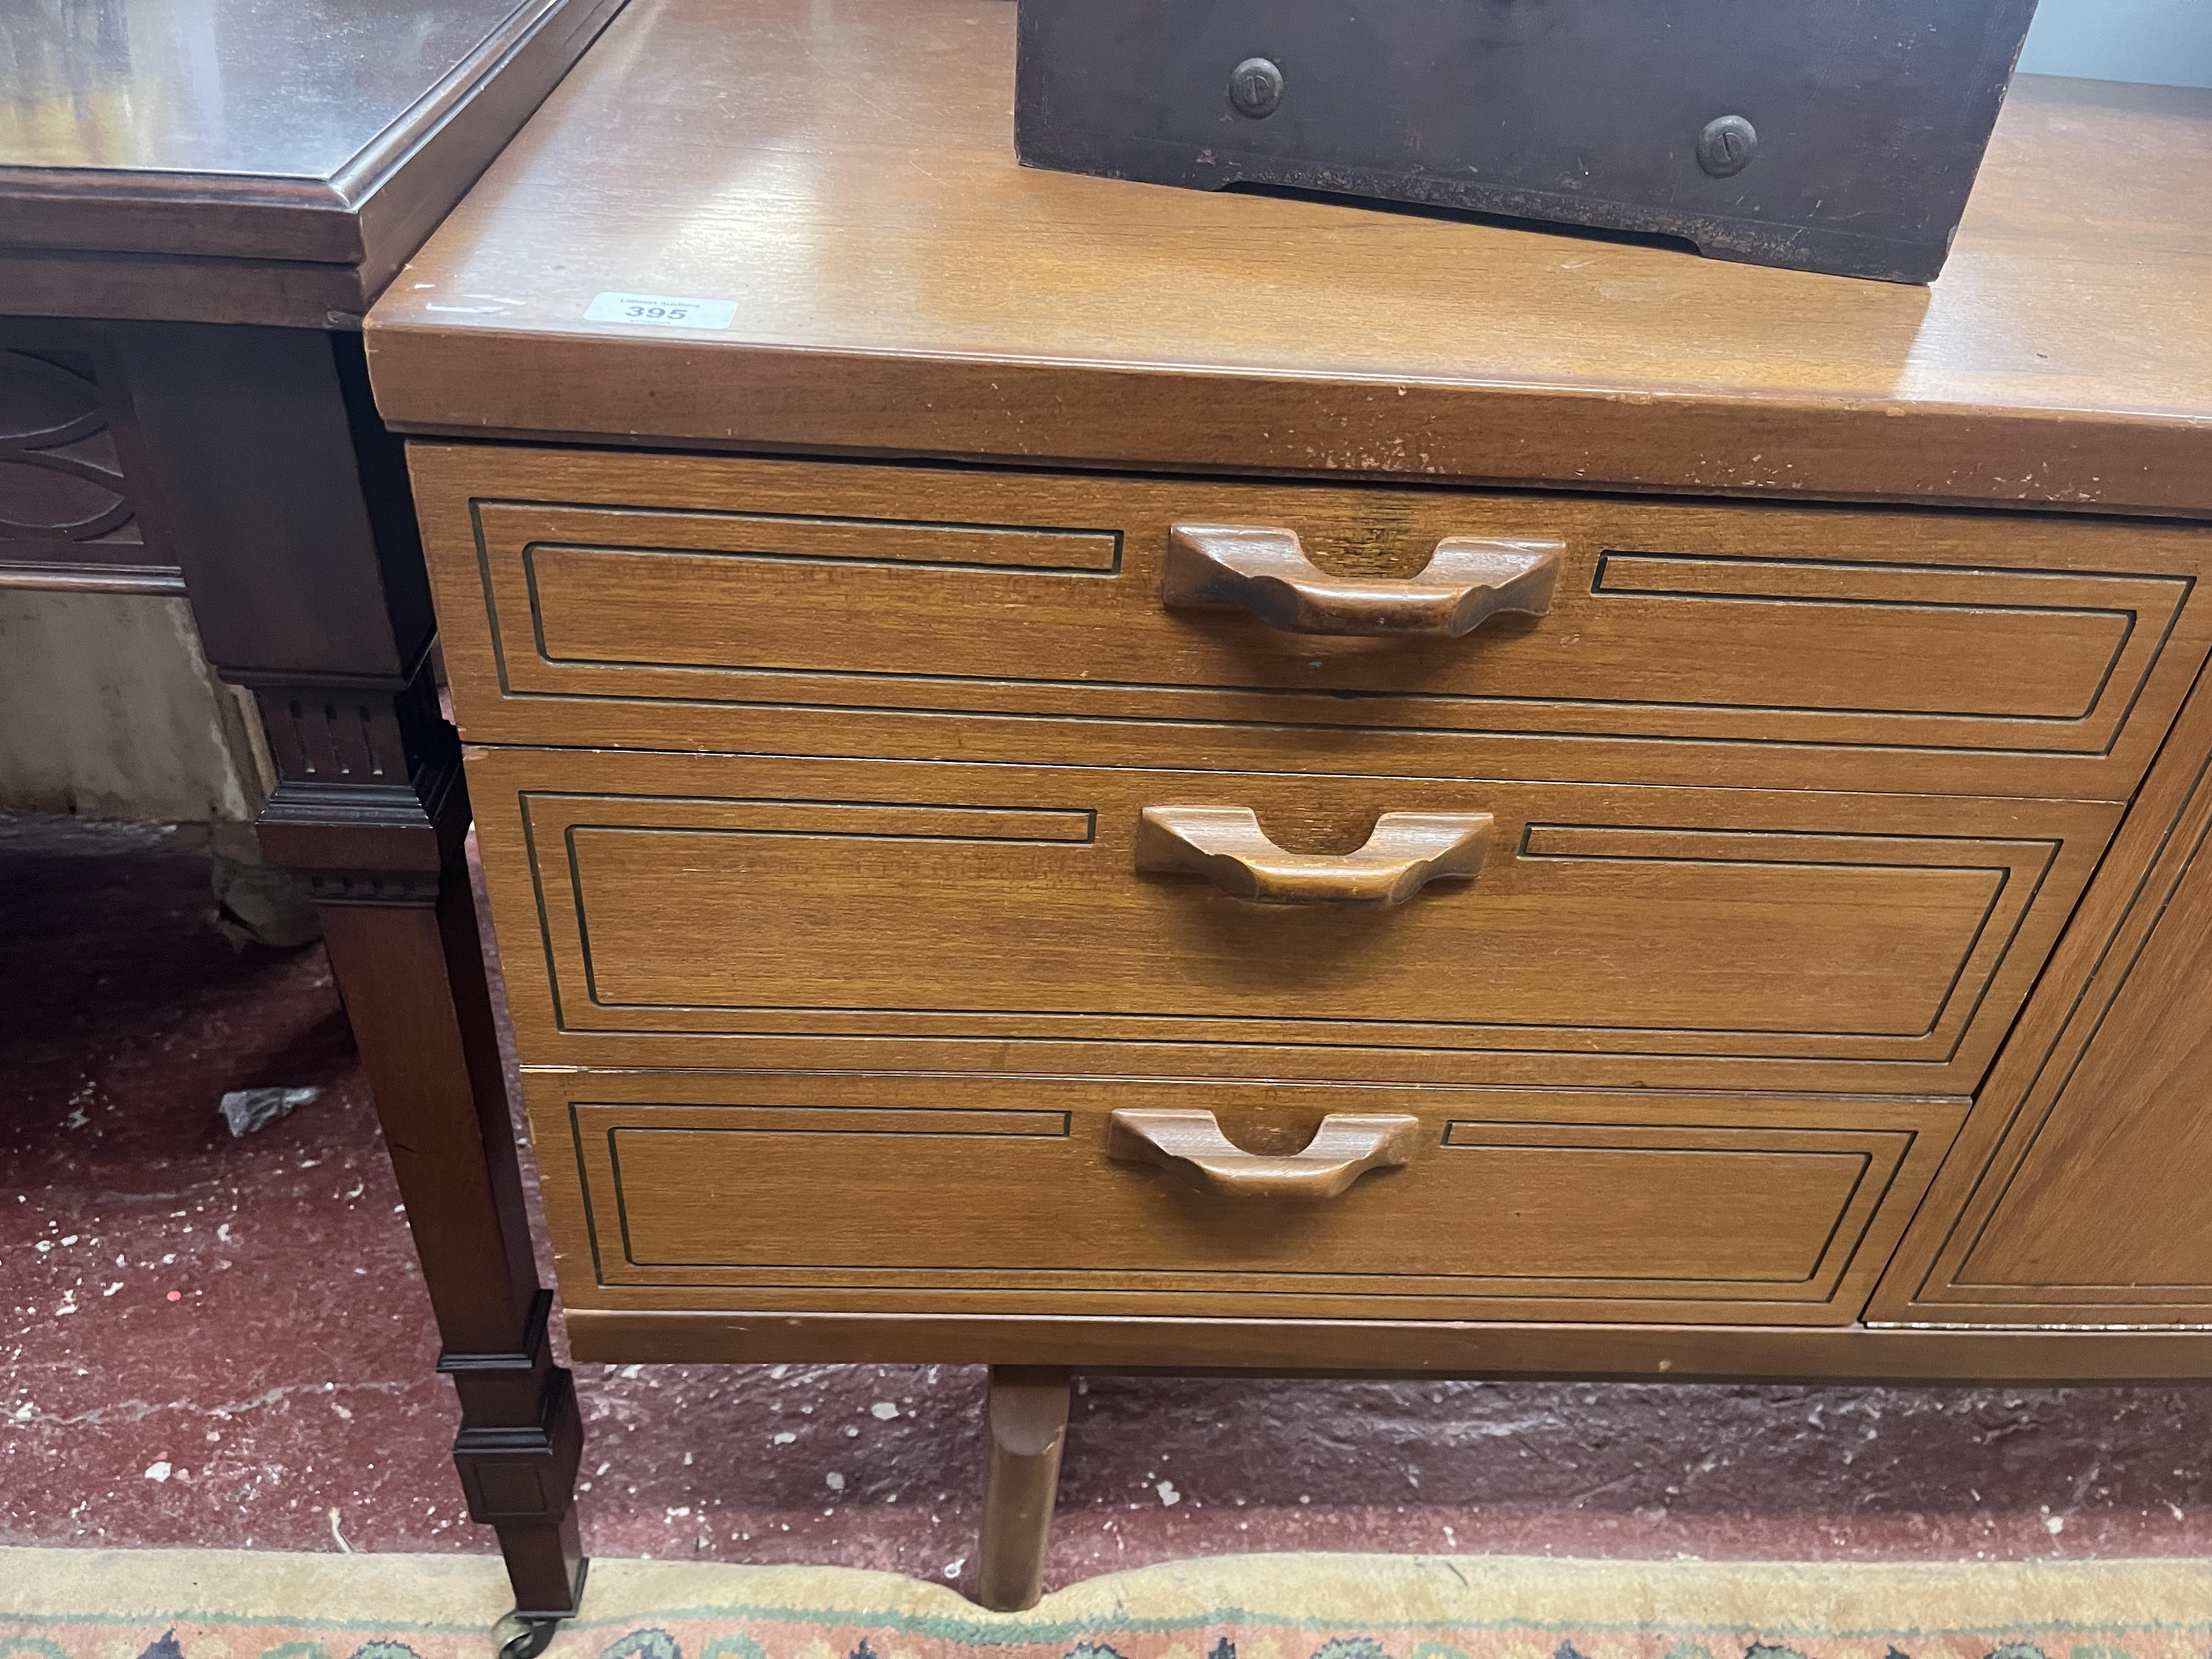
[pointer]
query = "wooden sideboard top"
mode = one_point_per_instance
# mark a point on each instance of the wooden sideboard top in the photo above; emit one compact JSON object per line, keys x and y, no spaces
{"x":842,"y":177}
{"x":169,"y":162}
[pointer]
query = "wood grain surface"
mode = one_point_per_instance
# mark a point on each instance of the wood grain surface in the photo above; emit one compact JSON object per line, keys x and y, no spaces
{"x":1225,"y":845}
{"x":1264,"y":571}
{"x":2079,"y":1192}
{"x":1793,"y":797}
{"x":254,"y":164}
{"x":667,"y":909}
{"x":1191,"y":1144}
{"x":1027,"y":1415}
{"x":825,"y":608}
{"x":901,"y":285}
{"x":1348,"y":1347}
{"x":74,"y":492}
{"x":970,"y":1195}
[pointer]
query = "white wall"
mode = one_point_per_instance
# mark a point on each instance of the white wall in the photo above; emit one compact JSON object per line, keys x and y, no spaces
{"x":108,"y":709}
{"x":2166,"y":42}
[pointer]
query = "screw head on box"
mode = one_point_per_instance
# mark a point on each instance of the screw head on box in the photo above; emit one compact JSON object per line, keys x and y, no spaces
{"x":1255,"y":87}
{"x":1726,"y":147}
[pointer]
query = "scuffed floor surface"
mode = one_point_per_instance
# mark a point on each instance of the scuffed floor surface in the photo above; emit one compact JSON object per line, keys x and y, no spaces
{"x":216,"y":1342}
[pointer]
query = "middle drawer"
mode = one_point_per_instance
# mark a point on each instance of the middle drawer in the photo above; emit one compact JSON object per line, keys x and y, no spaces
{"x":662,"y":910}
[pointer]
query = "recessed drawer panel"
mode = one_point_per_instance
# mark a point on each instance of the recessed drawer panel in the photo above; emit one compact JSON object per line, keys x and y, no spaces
{"x":819,"y":607}
{"x":904,"y":1193}
{"x":672,"y":910}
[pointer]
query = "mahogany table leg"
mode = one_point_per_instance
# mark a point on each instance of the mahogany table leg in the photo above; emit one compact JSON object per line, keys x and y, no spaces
{"x":287,"y":506}
{"x":1027,"y":1415}
{"x":385,"y":866}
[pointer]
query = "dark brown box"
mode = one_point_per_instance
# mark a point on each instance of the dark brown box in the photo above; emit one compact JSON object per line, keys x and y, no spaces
{"x":1839,"y":136}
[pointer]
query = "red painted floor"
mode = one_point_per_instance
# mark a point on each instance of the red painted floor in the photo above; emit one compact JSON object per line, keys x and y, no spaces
{"x":213,"y":1341}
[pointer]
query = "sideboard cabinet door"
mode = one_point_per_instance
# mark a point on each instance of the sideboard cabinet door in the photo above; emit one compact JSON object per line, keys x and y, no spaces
{"x":2080,"y":1192}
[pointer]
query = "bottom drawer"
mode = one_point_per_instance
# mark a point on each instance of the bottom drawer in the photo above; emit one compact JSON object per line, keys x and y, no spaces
{"x":862,"y":1193}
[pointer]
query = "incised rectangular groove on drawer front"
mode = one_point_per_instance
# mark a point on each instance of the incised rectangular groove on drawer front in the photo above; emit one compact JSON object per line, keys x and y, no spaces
{"x":1598,"y":1206}
{"x":698,"y":584}
{"x":1637,"y":934}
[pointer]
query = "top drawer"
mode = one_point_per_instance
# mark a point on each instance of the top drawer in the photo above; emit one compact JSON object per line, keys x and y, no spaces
{"x":840,"y":608}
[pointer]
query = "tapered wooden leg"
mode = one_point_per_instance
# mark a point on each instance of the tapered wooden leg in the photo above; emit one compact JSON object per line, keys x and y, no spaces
{"x":286,"y":505}
{"x":384,"y":860}
{"x":1028,"y":1417}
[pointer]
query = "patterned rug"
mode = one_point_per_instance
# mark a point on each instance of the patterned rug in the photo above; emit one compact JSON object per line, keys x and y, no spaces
{"x":185,"y":1604}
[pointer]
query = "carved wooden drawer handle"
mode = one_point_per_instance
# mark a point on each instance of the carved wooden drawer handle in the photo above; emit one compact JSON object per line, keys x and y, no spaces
{"x":1226,"y":844}
{"x":1192,"y":1146}
{"x":1217,"y":567}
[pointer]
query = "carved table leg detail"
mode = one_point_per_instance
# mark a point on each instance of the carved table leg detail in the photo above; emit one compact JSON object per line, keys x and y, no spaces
{"x":521,"y":1440}
{"x":1028,"y":1414}
{"x":371,"y":808}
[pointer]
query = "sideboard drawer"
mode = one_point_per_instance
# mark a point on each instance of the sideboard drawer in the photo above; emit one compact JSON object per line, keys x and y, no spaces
{"x":995,"y":1193}
{"x":685,"y":910}
{"x":824,"y":607}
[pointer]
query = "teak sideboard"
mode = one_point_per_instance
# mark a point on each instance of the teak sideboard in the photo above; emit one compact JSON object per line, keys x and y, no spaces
{"x":1074,"y":774}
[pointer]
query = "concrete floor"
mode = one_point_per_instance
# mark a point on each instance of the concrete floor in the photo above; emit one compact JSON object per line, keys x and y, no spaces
{"x":223,"y":1342}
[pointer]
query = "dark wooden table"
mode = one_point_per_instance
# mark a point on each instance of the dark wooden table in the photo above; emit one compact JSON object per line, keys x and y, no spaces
{"x":197,"y":204}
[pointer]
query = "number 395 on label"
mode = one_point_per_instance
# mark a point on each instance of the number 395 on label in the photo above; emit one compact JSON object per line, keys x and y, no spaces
{"x":660,"y":311}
